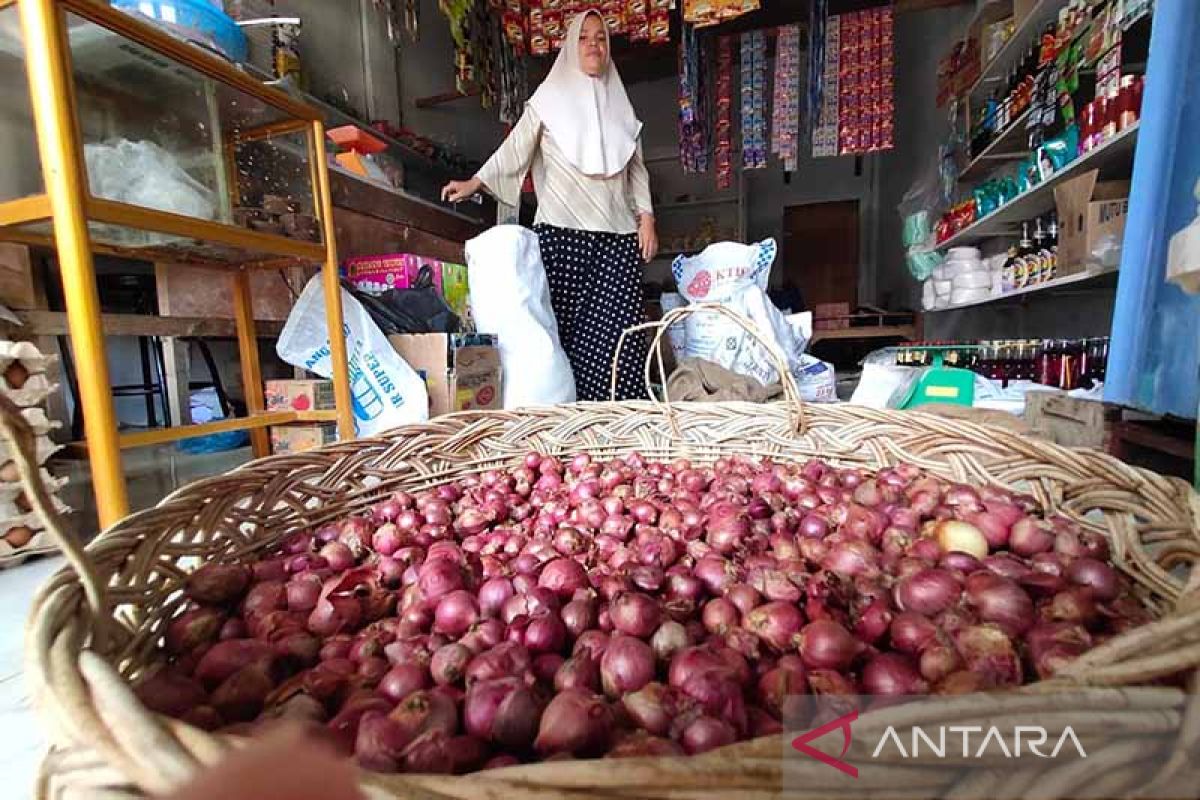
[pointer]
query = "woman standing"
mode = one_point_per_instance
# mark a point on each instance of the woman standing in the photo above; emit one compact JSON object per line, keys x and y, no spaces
{"x":594,"y":223}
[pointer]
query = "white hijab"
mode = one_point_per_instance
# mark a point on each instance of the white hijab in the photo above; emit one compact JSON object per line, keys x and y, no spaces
{"x":589,"y":118}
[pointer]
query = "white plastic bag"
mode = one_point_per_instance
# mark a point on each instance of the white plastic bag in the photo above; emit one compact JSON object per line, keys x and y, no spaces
{"x":677,"y":333}
{"x":144,"y":174}
{"x":816,"y":380}
{"x":735,"y":275}
{"x":511,"y":298}
{"x":385,"y":390}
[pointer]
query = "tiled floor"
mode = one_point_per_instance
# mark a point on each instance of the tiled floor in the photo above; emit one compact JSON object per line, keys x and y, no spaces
{"x":152,"y":473}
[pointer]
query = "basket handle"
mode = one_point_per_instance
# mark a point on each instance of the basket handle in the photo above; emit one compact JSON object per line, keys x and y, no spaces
{"x":19,"y":435}
{"x":791,"y":392}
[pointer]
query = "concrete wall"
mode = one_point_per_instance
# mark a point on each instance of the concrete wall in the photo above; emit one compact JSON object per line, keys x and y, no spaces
{"x":426,"y":69}
{"x":921,"y":39}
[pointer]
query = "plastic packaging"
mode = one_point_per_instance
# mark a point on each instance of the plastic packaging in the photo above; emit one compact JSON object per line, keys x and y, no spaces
{"x":735,"y":275}
{"x":144,"y":174}
{"x":386,"y":392}
{"x":969,"y":295}
{"x":197,"y":21}
{"x":976,"y":279}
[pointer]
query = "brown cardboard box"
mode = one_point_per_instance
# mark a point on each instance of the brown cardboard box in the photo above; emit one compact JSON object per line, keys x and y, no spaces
{"x":1072,"y":421}
{"x":16,"y":277}
{"x":1087,"y":212}
{"x":459,"y":376}
{"x":297,"y":438}
{"x":304,"y":395}
{"x":831,"y":316}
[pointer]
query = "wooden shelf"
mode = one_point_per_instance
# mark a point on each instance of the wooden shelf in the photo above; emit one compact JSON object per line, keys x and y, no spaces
{"x":905,"y":332}
{"x":707,"y":201}
{"x":54,"y":323}
{"x":177,"y":434}
{"x":1040,"y":199}
{"x":1079,"y":280}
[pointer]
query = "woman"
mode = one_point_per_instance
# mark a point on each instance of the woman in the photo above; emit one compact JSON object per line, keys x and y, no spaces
{"x":594,"y":220}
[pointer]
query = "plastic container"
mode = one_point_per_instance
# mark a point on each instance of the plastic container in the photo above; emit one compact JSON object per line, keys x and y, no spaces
{"x":201,"y":22}
{"x":963,"y":254}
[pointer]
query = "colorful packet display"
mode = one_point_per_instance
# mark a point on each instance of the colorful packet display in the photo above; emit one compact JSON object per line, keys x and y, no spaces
{"x":825,"y":131}
{"x":693,"y":104}
{"x":866,"y":82}
{"x":660,"y":26}
{"x":712,"y":12}
{"x":538,"y":26}
{"x":724,"y":126}
{"x":785,"y":120}
{"x":637,"y":20}
{"x":754,"y":100}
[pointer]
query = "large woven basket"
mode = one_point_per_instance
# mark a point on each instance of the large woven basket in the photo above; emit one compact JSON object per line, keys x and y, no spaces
{"x":96,"y":624}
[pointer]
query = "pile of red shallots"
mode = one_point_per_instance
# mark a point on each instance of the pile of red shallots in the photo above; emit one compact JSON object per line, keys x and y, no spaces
{"x":625,"y":608}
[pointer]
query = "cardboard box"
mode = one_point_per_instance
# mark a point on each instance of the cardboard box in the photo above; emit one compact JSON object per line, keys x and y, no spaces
{"x":1088,"y":212}
{"x":831,"y":316}
{"x":1072,"y":421}
{"x":391,"y":271}
{"x":462,"y":371}
{"x":304,"y":395}
{"x":379,"y":273}
{"x":299,"y":437}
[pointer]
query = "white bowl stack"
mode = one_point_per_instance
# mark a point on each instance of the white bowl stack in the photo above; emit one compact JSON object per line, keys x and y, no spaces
{"x":969,"y":277}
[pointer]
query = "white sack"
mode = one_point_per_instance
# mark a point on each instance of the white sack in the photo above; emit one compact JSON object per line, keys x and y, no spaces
{"x":385,"y":390}
{"x":511,"y":299}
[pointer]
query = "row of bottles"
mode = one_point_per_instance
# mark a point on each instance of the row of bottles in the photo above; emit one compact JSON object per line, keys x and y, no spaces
{"x":1062,"y":363}
{"x":1032,"y":84}
{"x":1034,"y":259}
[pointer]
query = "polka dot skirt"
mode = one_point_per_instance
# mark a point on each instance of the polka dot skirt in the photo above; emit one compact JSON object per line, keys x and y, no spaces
{"x":596,"y":290}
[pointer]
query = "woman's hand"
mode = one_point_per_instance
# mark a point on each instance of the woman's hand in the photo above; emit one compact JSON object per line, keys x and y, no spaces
{"x":647,"y":237}
{"x":457,"y":191}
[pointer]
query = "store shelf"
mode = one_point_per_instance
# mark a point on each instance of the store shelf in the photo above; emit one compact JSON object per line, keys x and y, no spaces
{"x":1040,"y":199}
{"x":1080,"y":280}
{"x":708,"y":201}
{"x":1012,"y":145}
{"x":994,"y":71}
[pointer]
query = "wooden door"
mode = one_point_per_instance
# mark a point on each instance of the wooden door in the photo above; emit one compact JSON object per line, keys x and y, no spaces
{"x":820,"y":251}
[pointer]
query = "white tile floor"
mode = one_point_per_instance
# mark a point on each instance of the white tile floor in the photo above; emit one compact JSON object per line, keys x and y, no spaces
{"x":152,"y":473}
{"x":23,"y":737}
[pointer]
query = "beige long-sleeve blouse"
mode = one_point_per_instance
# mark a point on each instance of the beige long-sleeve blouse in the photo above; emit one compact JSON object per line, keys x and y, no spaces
{"x":566,"y":197}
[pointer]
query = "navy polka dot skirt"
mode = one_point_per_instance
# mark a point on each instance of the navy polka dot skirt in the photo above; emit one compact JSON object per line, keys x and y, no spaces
{"x":596,"y":290}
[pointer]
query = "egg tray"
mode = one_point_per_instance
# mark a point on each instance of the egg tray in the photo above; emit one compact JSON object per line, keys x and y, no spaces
{"x":32,"y":393}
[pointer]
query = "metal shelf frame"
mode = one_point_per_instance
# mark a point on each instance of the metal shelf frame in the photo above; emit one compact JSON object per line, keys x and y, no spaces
{"x":68,"y":206}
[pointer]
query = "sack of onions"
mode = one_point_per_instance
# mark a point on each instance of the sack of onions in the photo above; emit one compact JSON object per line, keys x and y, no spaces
{"x":514,"y":619}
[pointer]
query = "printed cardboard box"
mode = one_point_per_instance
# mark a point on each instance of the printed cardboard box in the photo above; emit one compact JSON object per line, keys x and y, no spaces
{"x":300,"y":395}
{"x":1088,"y":212}
{"x":462,"y":371}
{"x":297,"y":438}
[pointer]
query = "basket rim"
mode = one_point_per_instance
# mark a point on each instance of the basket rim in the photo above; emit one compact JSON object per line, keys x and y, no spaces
{"x":59,"y":604}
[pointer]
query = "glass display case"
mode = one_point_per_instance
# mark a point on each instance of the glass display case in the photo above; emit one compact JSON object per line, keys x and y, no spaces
{"x":125,"y":140}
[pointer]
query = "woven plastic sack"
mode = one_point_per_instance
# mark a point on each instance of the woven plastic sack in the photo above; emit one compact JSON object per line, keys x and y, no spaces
{"x":511,"y":298}
{"x":385,"y":390}
{"x":736,"y":276}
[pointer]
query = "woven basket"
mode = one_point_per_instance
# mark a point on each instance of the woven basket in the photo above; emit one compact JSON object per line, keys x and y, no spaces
{"x":96,"y":624}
